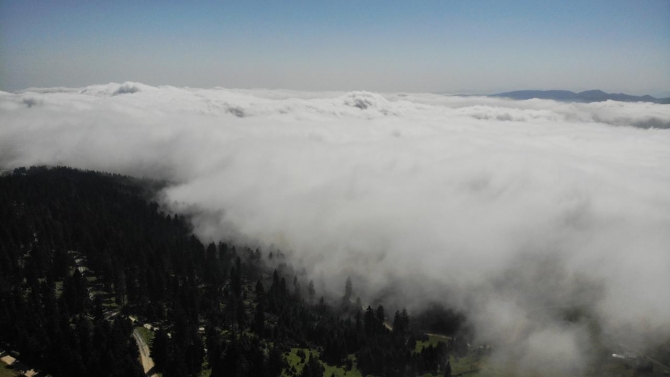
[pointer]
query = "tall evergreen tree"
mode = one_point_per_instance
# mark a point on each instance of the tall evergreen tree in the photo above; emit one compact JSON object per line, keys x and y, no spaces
{"x":311,"y":292}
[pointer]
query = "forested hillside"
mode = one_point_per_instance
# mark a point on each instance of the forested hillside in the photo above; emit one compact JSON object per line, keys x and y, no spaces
{"x":81,"y":253}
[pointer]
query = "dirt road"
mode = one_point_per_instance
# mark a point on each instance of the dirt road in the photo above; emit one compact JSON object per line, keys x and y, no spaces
{"x":147,"y":362}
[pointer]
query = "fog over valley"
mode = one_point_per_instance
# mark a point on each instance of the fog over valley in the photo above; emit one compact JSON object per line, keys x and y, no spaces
{"x":512,"y":212}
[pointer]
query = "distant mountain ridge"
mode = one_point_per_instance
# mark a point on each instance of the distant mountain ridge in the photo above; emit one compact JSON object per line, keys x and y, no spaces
{"x":587,"y":96}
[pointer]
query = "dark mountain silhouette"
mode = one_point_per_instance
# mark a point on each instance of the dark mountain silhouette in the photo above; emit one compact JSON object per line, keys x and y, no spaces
{"x":587,"y":96}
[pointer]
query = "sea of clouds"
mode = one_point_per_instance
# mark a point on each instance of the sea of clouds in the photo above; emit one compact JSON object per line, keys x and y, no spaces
{"x":512,"y":211}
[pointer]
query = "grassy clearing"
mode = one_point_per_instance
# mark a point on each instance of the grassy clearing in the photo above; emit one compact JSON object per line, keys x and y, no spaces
{"x":465,"y":364}
{"x":294,"y":361}
{"x":469,"y":366}
{"x":6,"y":371}
{"x":341,"y":372}
{"x":432,"y":340}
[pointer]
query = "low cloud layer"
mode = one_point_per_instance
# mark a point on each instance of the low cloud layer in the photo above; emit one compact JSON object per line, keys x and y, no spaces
{"x":513,"y":211}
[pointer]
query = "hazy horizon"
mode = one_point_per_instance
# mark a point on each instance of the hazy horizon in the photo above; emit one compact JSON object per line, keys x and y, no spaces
{"x":474,"y":48}
{"x":455,"y":93}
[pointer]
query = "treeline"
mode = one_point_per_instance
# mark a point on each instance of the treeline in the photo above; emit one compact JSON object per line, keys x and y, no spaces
{"x":80,"y":251}
{"x":46,"y":311}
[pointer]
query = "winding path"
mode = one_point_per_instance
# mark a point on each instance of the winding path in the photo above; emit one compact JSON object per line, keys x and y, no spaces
{"x":147,"y":362}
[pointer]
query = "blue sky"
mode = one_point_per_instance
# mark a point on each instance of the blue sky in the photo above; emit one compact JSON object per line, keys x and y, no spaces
{"x":433,"y":46}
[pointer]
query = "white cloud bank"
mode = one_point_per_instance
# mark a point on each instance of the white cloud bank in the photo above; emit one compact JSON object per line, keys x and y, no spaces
{"x":505,"y":209}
